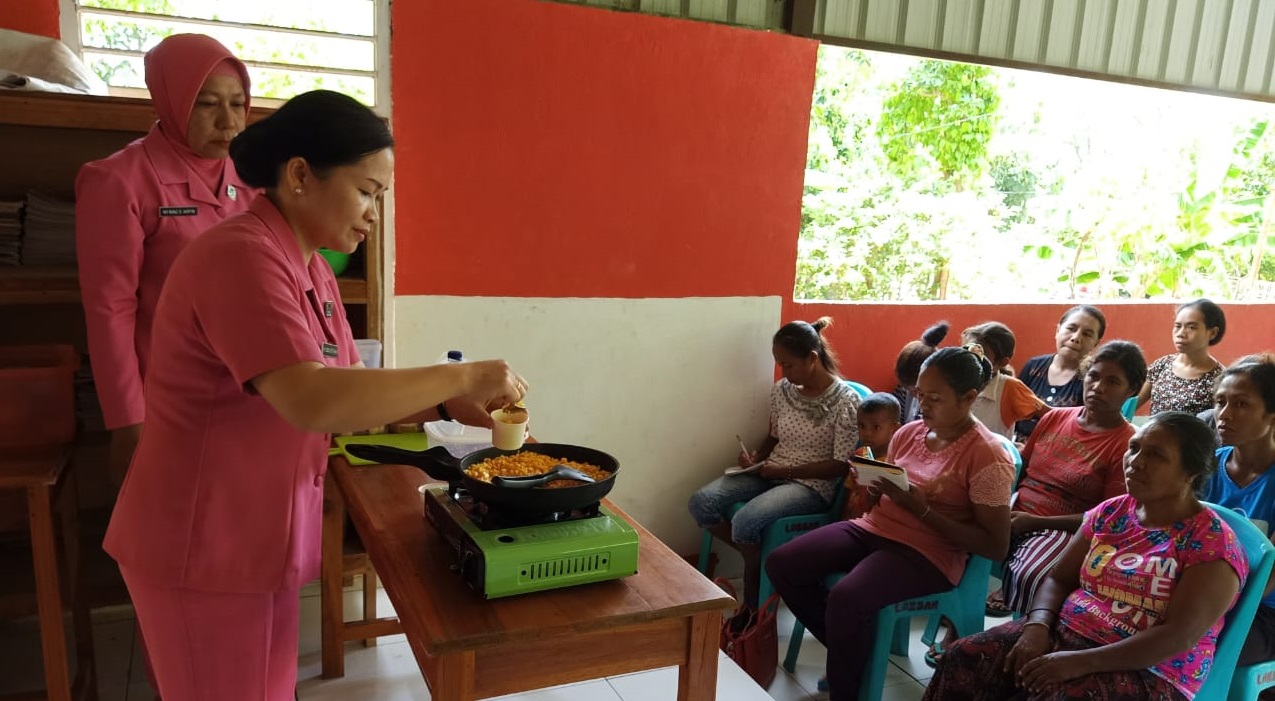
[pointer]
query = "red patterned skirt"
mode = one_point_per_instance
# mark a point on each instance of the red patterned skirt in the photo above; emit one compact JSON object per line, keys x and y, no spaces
{"x":972,"y":669}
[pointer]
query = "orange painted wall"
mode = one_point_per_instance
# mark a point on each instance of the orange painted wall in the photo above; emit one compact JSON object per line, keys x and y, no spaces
{"x":550,"y":150}
{"x":868,"y":336}
{"x":31,"y":16}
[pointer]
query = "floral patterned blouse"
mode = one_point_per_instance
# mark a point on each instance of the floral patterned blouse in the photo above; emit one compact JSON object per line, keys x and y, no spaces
{"x":811,"y":429}
{"x":1172,"y":393}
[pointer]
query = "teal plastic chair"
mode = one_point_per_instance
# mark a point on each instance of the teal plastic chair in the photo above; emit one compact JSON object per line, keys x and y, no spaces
{"x":777,"y":533}
{"x":1244,"y":683}
{"x":1248,"y":682}
{"x":963,"y":605}
{"x":859,"y":387}
{"x":1129,"y":407}
{"x":1015,"y":456}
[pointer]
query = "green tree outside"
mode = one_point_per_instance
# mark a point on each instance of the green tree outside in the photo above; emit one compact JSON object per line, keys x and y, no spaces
{"x":930,"y":180}
{"x":280,"y":83}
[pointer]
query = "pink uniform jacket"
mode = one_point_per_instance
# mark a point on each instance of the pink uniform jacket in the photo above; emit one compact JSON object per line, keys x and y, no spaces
{"x":134,"y":212}
{"x":223,"y":493}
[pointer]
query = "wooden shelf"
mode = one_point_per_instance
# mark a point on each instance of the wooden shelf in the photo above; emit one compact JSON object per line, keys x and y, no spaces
{"x":49,"y":136}
{"x":53,"y":110}
{"x":39,"y":285}
{"x":61,"y":285}
{"x":353,"y":290}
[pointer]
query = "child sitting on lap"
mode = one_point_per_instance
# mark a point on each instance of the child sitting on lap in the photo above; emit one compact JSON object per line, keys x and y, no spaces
{"x":878,"y":420}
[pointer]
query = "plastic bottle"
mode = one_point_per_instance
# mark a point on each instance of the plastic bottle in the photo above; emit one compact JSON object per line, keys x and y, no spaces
{"x":449,"y":428}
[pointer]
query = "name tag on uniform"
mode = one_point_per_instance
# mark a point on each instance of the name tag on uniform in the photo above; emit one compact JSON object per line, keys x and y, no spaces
{"x":178,"y":211}
{"x":329,"y":350}
{"x":328,"y":307}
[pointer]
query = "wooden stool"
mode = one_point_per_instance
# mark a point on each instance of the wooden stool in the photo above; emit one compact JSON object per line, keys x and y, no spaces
{"x":46,"y":475}
{"x":342,"y":560}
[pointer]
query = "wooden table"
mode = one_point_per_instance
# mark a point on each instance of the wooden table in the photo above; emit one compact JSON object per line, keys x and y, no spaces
{"x":45,"y":475}
{"x":469,"y":647}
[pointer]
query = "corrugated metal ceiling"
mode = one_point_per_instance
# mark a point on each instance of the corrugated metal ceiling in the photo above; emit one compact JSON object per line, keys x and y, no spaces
{"x":1211,"y":45}
{"x":759,"y":14}
{"x":1224,"y":46}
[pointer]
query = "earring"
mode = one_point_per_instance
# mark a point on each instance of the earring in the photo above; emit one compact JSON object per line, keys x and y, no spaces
{"x":297,"y":190}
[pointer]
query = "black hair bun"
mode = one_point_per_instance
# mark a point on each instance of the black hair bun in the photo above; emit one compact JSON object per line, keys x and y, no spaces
{"x":253,"y":158}
{"x":326,"y":128}
{"x":934,"y":335}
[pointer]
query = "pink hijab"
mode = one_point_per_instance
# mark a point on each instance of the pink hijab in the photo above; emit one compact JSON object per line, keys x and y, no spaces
{"x":175,"y":72}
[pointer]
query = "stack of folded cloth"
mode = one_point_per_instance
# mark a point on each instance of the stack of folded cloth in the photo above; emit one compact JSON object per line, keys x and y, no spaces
{"x":48,"y":231}
{"x":10,"y":233}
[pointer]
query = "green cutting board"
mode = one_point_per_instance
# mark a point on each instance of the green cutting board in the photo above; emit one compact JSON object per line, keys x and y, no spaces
{"x":406,"y":441}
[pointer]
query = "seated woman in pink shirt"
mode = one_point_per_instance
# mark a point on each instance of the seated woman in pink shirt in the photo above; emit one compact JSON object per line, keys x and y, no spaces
{"x":138,"y":208}
{"x":217,"y":525}
{"x":1133,"y":608}
{"x":913,"y":542}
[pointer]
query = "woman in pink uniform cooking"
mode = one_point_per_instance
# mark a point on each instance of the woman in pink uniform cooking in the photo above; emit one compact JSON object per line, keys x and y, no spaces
{"x":253,"y":365}
{"x":137,"y":209}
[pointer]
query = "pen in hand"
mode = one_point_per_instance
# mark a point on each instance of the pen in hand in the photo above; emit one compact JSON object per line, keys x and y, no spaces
{"x":747,"y":458}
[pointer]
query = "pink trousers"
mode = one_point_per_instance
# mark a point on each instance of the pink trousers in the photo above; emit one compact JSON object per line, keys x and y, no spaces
{"x":212,"y":646}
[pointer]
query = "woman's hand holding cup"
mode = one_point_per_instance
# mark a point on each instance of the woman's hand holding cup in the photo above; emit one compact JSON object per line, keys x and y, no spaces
{"x":493,"y":382}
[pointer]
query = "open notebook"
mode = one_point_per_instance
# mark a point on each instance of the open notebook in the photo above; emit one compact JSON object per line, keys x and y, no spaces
{"x":737,"y":470}
{"x":870,"y":471}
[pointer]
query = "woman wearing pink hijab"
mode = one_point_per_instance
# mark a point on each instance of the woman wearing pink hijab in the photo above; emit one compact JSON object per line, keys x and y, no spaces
{"x":138,"y":208}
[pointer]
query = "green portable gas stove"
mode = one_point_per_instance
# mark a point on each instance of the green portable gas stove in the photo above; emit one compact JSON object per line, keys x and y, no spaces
{"x":501,"y":555}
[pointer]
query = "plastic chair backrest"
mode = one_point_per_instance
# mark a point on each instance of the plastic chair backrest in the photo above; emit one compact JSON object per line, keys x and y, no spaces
{"x":785,"y":529}
{"x":858,"y":387}
{"x":1261,"y":555}
{"x":1247,"y":683}
{"x":1014,"y":455}
{"x":1129,"y":407}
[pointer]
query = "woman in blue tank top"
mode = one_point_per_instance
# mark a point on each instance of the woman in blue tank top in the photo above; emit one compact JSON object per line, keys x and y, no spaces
{"x":1244,"y":402}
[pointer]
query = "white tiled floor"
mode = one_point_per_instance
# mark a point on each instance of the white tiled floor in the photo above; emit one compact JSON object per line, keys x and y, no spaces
{"x":388,"y":672}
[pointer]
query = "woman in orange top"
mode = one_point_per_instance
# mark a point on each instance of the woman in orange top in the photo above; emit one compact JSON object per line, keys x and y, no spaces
{"x":1005,"y":400}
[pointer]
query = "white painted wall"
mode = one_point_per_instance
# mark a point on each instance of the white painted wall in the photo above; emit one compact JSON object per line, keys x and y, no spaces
{"x":662,"y":384}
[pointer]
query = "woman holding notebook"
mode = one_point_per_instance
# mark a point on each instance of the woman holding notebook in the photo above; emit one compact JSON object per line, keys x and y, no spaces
{"x":914,"y":541}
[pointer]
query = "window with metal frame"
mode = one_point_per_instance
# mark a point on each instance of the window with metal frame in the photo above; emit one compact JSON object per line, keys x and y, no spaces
{"x":289,"y":46}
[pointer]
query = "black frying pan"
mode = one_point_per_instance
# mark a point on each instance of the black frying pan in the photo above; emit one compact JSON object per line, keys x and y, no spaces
{"x":442,"y":465}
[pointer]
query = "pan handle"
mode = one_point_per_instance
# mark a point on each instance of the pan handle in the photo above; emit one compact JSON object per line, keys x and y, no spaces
{"x":436,"y":462}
